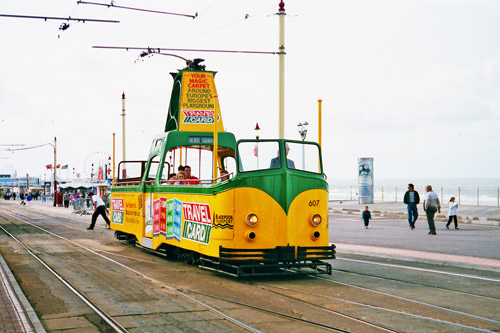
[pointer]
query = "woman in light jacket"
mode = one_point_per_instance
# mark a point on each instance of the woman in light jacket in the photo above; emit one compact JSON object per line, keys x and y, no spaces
{"x":452,"y":214}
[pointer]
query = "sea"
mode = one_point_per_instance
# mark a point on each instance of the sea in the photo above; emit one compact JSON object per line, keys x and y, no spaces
{"x":468,"y":191}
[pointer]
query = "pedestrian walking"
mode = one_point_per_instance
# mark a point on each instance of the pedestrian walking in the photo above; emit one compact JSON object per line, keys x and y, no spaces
{"x":366,"y":216}
{"x":28,"y":199}
{"x":99,"y":209}
{"x":66,"y":199}
{"x":412,"y":199}
{"x":431,"y":205}
{"x":452,"y":213}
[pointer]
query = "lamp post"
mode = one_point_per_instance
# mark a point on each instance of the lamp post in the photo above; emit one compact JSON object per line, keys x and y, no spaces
{"x":303,"y":133}
{"x":256,"y":152}
{"x":55,"y":163}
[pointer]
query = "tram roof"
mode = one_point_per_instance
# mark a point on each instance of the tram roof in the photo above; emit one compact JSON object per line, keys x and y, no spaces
{"x":173,"y":139}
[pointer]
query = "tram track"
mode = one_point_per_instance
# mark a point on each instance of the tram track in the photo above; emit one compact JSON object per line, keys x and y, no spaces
{"x":101,"y":313}
{"x":376,"y":308}
{"x":417,"y":284}
{"x":285,"y":294}
{"x":183,"y":292}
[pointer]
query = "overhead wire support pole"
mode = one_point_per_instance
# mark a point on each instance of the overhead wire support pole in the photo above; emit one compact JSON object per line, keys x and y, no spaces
{"x":59,"y":18}
{"x":281,"y":13}
{"x":133,"y":8}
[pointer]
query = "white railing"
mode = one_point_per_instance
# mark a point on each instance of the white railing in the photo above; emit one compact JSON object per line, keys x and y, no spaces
{"x":484,"y":196}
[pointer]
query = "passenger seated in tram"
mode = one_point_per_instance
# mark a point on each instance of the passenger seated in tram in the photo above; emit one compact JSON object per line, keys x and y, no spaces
{"x":190,"y":180}
{"x":224,"y":175}
{"x":180,"y":178}
{"x":276,"y":162}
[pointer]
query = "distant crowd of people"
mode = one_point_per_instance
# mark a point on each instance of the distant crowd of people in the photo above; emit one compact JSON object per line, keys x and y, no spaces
{"x":70,"y":197}
{"x":23,"y":196}
{"x":431,"y":205}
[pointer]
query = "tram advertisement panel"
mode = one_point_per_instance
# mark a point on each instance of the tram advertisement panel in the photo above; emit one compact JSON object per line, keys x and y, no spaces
{"x":126,"y":208}
{"x":197,"y":222}
{"x":198,"y":103}
{"x":156,"y":218}
{"x":117,"y":210}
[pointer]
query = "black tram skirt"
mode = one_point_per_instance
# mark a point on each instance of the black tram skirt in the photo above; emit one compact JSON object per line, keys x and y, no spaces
{"x":282,"y":260}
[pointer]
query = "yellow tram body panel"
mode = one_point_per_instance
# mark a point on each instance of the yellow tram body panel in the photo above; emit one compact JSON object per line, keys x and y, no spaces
{"x":202,"y":223}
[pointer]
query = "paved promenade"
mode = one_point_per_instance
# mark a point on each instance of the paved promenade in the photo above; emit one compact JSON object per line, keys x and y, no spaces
{"x":389,"y":236}
{"x":467,"y":214}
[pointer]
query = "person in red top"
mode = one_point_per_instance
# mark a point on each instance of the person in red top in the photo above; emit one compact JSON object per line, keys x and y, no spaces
{"x":190,"y":180}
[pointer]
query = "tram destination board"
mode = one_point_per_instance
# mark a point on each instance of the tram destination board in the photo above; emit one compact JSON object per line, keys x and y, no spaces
{"x":201,"y":139}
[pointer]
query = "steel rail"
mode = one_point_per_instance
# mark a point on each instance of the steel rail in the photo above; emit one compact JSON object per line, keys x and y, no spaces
{"x":182,"y":293}
{"x":107,"y":318}
{"x":373,"y":307}
{"x":417,"y":284}
{"x":424,"y":270}
{"x":416,"y":302}
{"x":210,"y":308}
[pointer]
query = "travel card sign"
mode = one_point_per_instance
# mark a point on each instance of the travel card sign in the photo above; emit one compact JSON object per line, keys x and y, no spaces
{"x":198,"y":103}
{"x":197,"y":222}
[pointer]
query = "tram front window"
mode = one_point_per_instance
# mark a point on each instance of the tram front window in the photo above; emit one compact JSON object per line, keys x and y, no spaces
{"x":262,"y":155}
{"x":257,"y":155}
{"x":304,"y":155}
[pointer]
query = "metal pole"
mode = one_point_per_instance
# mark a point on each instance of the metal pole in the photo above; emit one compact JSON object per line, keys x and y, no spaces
{"x":442,"y":195}
{"x":216,"y":147}
{"x":124,"y":172}
{"x":319,"y":130}
{"x":281,"y":52}
{"x":478,"y":196}
{"x":113,"y":159}
{"x":55,"y":168}
{"x":303,"y":156}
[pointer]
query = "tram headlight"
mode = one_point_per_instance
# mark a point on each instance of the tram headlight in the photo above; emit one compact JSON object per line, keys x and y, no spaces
{"x":316,"y":220}
{"x":252,"y":219}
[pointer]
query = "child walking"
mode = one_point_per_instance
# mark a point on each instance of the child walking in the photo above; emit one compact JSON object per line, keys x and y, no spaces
{"x":452,"y":214}
{"x":366,"y":216}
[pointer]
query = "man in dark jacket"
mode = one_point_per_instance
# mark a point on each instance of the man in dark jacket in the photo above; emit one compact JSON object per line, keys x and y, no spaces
{"x":412,"y":199}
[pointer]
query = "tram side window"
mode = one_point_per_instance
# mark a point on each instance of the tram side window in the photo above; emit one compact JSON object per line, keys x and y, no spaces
{"x":154,"y":169}
{"x":257,"y":155}
{"x":228,"y":165}
{"x":130,"y":171}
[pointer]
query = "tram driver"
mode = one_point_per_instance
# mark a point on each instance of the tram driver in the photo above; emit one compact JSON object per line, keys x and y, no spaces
{"x":276,"y":162}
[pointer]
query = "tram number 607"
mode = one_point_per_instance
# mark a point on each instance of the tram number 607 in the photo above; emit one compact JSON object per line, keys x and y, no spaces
{"x":313,"y":203}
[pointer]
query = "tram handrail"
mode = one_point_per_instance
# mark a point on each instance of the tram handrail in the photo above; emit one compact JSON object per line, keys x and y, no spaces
{"x":204,"y":182}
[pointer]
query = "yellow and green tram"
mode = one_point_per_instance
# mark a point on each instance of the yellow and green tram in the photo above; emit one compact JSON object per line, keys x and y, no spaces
{"x":269,"y":215}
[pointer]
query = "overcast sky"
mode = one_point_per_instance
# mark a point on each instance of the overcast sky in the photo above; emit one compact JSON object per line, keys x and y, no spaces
{"x":413,"y":84}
